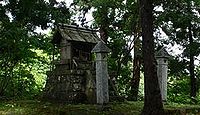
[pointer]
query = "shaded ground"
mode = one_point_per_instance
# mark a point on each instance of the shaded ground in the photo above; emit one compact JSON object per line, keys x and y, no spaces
{"x":30,"y":107}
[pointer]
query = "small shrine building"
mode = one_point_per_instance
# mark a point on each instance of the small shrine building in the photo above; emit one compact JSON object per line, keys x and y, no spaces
{"x":72,"y":80}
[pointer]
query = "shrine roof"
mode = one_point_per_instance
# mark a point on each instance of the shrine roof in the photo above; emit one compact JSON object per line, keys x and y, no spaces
{"x":100,"y":48}
{"x":75,"y":33}
{"x":162,"y":53}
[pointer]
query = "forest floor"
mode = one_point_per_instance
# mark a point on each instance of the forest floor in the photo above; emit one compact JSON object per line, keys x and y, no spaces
{"x":32,"y":107}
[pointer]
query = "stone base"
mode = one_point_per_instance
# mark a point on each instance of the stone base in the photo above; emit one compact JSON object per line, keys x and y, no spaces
{"x":70,"y":86}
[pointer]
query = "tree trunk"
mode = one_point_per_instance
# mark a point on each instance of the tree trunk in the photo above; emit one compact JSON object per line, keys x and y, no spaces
{"x":152,"y":99}
{"x":104,"y":24}
{"x":104,"y":33}
{"x":193,"y":81}
{"x":136,"y":72}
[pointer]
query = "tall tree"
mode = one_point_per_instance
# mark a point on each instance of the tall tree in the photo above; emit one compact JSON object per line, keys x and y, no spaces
{"x":152,"y":100}
{"x":193,"y":80}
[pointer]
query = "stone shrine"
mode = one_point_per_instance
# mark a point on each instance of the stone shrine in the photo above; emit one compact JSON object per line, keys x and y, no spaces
{"x":72,"y":80}
{"x":162,"y":68}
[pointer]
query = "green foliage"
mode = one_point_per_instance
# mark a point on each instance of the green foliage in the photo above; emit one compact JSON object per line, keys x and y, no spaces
{"x":25,"y":80}
{"x":120,"y":62}
{"x":177,"y":67}
{"x":179,"y":89}
{"x":123,"y":81}
{"x":15,"y":58}
{"x":117,"y":21}
{"x":179,"y":85}
{"x":21,"y":84}
{"x":25,"y":54}
{"x":180,"y":20}
{"x":176,"y":18}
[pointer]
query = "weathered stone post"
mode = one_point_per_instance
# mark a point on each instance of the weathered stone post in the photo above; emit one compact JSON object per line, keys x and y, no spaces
{"x":101,"y":51}
{"x":65,"y":51}
{"x":162,"y":68}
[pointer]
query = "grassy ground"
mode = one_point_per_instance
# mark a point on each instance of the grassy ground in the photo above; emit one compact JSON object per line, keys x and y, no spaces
{"x":30,"y":107}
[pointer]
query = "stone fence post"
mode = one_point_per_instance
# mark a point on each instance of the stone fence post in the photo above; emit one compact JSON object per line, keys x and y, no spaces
{"x":162,"y":68}
{"x":101,"y":51}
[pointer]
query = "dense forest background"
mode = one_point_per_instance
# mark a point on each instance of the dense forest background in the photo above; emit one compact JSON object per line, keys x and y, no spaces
{"x":26,"y":53}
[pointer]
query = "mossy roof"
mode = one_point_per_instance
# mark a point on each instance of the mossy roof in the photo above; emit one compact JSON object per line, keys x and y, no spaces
{"x":75,"y":33}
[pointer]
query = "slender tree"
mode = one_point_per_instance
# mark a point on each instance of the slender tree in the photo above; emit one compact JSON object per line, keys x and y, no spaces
{"x":152,"y":103}
{"x":135,"y":81}
{"x":193,"y":80}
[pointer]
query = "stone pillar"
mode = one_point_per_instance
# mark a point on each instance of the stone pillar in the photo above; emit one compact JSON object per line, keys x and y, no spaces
{"x":102,"y":93}
{"x":162,"y":68}
{"x":65,"y":52}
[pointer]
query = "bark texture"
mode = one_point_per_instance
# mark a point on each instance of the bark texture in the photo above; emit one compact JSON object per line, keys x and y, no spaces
{"x":136,"y":71}
{"x":153,"y":102}
{"x":193,"y":80}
